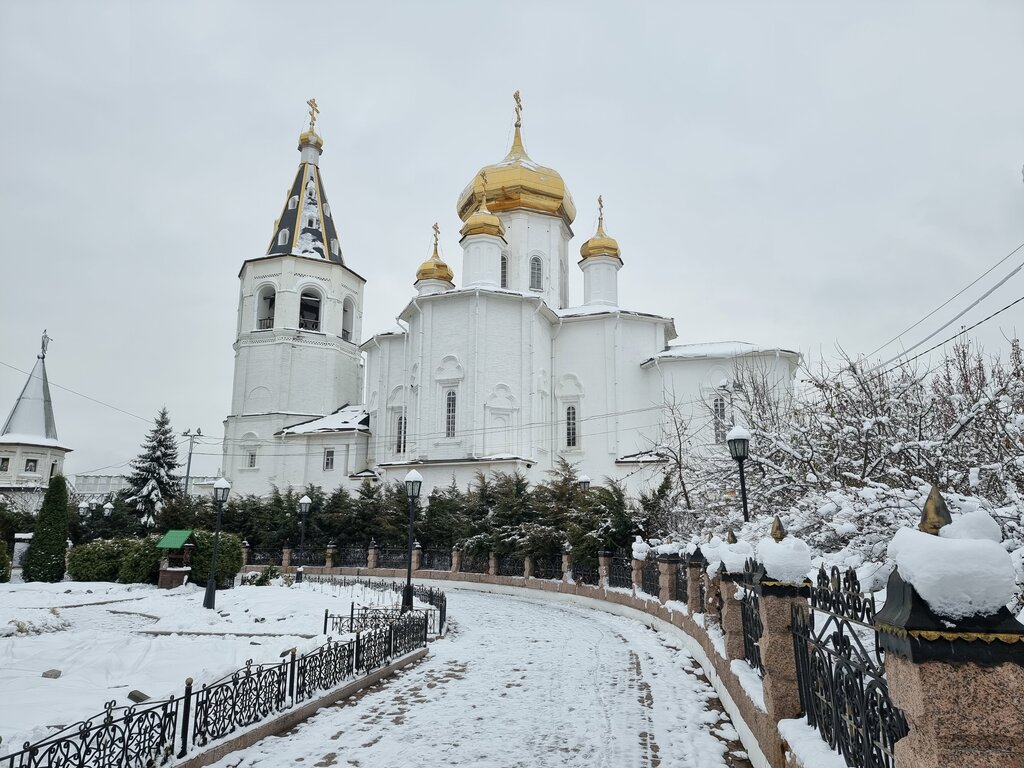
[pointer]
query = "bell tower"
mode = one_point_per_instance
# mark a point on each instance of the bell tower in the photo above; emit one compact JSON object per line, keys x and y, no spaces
{"x":299,"y":328}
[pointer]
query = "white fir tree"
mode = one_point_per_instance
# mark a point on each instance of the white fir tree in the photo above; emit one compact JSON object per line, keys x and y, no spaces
{"x":153,"y":482}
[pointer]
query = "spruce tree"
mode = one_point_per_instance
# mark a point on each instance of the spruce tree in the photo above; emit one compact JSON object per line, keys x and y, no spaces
{"x":44,"y":560}
{"x":153,"y":482}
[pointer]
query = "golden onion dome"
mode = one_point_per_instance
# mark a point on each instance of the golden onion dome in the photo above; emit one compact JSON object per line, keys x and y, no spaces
{"x":433,"y":268}
{"x":311,"y":139}
{"x":482,"y":221}
{"x":519,"y":183}
{"x":601,"y":244}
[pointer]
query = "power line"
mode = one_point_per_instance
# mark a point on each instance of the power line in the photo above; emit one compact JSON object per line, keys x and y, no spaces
{"x":87,"y":397}
{"x":947,"y":301}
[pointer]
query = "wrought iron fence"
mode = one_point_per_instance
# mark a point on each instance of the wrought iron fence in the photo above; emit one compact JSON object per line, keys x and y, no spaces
{"x":364,"y":618}
{"x":620,"y":571}
{"x":437,"y":560}
{"x":683,"y":582}
{"x":393,"y":557}
{"x":750,"y":610}
{"x":265,"y":556}
{"x":547,"y":568}
{"x":840,"y":672}
{"x":511,"y":565}
{"x":650,"y":577}
{"x":144,"y":736}
{"x":350,"y":557}
{"x":586,"y":572}
{"x":309,"y":556}
{"x":475,"y":562}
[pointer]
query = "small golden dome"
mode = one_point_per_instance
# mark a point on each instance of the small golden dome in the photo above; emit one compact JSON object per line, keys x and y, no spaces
{"x":519,"y":183}
{"x":600,"y":244}
{"x":433,"y":268}
{"x":482,"y":221}
{"x":311,"y":139}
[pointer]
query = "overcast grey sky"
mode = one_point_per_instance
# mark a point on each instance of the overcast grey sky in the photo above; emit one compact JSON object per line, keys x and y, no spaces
{"x":794,"y":174}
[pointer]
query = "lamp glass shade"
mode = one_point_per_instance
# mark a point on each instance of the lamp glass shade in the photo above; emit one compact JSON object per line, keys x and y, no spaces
{"x":584,"y":482}
{"x":413,"y":483}
{"x":221,"y":489}
{"x":304,"y":503}
{"x":738,"y":448}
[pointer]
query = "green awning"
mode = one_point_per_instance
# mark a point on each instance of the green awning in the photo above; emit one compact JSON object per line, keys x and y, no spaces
{"x":174,"y":540}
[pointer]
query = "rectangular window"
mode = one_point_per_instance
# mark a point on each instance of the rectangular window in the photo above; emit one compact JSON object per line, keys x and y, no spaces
{"x":570,"y":427}
{"x":449,"y":413}
{"x":251,"y":462}
{"x":53,"y":469}
{"x":31,"y":465}
{"x":504,"y":271}
{"x":5,"y":464}
{"x":719,"y":413}
{"x":400,"y":434}
{"x":328,"y":459}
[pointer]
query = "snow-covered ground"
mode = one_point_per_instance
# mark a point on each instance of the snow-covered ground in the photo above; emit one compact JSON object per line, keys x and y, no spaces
{"x":524,"y":682}
{"x":110,"y":639}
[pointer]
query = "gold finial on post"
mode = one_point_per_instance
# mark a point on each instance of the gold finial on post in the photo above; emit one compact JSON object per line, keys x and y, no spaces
{"x":730,"y":536}
{"x":778,"y":531}
{"x":519,"y":108}
{"x":935,"y":513}
{"x":313,"y":111}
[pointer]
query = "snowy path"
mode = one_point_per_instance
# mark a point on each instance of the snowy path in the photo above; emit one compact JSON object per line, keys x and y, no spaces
{"x":523,"y":682}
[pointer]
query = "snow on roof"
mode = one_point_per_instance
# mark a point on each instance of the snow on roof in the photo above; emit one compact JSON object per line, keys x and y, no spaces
{"x":716,"y":349}
{"x":346,"y":418}
{"x":14,"y":438}
{"x":32,"y":415}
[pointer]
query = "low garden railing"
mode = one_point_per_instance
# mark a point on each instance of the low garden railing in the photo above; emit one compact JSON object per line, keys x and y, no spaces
{"x":840,"y":672}
{"x":148,"y":735}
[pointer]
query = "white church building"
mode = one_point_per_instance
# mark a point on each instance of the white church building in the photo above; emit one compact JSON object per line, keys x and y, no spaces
{"x":495,"y":371}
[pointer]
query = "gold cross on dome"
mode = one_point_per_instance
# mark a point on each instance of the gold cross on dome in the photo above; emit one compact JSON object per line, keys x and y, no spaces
{"x":519,"y":109}
{"x":437,"y":233}
{"x":600,"y":209}
{"x":313,"y":111}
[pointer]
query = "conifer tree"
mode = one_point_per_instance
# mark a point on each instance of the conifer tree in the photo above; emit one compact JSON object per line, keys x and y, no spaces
{"x":153,"y":483}
{"x":44,"y":560}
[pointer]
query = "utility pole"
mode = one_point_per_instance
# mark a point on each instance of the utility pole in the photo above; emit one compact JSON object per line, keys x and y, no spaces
{"x":191,"y":444}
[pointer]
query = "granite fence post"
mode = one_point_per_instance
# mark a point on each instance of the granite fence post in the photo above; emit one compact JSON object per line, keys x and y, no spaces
{"x":286,"y":557}
{"x":528,"y":566}
{"x":417,"y":556}
{"x":329,"y":555}
{"x":456,"y":559}
{"x":667,"y":567}
{"x":695,"y":565}
{"x":492,"y":564}
{"x":372,"y":555}
{"x":604,"y":564}
{"x":732,"y":614}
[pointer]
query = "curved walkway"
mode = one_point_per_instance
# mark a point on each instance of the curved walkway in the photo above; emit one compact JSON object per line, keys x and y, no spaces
{"x":523,"y":682}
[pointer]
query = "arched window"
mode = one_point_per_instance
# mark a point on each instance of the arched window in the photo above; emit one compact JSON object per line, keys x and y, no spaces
{"x":449,"y":413}
{"x":504,"y":271}
{"x":265,"y":301}
{"x":293,"y":202}
{"x":536,"y":274}
{"x":309,"y":310}
{"x":282,"y":237}
{"x":571,"y":438}
{"x":400,"y":434}
{"x":718,"y":407}
{"x":347,"y":312}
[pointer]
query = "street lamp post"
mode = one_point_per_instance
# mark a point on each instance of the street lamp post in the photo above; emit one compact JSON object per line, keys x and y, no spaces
{"x":413,"y":483}
{"x":221,"y":489}
{"x":738,"y":441}
{"x":304,"y":503}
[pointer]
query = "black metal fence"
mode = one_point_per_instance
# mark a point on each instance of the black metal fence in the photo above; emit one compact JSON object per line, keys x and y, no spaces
{"x":309,"y":556}
{"x":150,"y":735}
{"x":620,"y":571}
{"x":547,"y":568}
{"x":393,"y":557}
{"x":650,"y":576}
{"x":265,"y":556}
{"x":350,"y":557}
{"x":475,"y":562}
{"x":840,"y":672}
{"x":683,"y":582}
{"x":750,"y":610}
{"x":511,"y":565}
{"x":364,"y":618}
{"x":437,"y":560}
{"x":586,"y":572}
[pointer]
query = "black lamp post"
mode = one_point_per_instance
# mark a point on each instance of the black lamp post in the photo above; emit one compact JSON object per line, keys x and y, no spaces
{"x":413,"y":482}
{"x":304,"y":503}
{"x":221,"y":489}
{"x":738,"y":441}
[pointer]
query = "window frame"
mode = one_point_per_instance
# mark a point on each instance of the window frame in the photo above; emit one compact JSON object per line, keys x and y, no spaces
{"x":5,"y":463}
{"x":572,"y":433}
{"x":35,"y":466}
{"x":451,"y":412}
{"x":401,"y":434}
{"x":536,"y":271}
{"x":328,"y":459}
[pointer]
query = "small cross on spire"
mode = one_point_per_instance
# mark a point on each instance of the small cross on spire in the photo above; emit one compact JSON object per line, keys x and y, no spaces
{"x":437,"y":234}
{"x":519,"y":109}
{"x":314,"y":110}
{"x":600,"y":212}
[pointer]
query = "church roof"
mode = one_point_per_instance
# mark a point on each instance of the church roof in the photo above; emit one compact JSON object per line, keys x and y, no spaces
{"x":348,"y":418}
{"x":719,"y":349}
{"x":31,"y":420}
{"x":306,"y":226}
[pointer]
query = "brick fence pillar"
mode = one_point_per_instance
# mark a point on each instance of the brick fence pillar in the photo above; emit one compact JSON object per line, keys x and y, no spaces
{"x":732,"y":615}
{"x":566,"y":565}
{"x":604,"y":564}
{"x":329,"y":555}
{"x":245,"y":553}
{"x":417,"y":556}
{"x":528,"y":566}
{"x":492,"y":564}
{"x":456,"y":560}
{"x":286,"y":557}
{"x":959,"y":684}
{"x":637,"y":574}
{"x":668,"y":565}
{"x":776,"y":599}
{"x":372,"y":555}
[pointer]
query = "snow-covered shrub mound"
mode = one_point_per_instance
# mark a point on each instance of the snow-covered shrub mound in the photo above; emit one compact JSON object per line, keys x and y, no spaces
{"x":640,"y":549}
{"x":788,"y":560}
{"x":33,"y":621}
{"x":973,"y":525}
{"x":957,"y":577}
